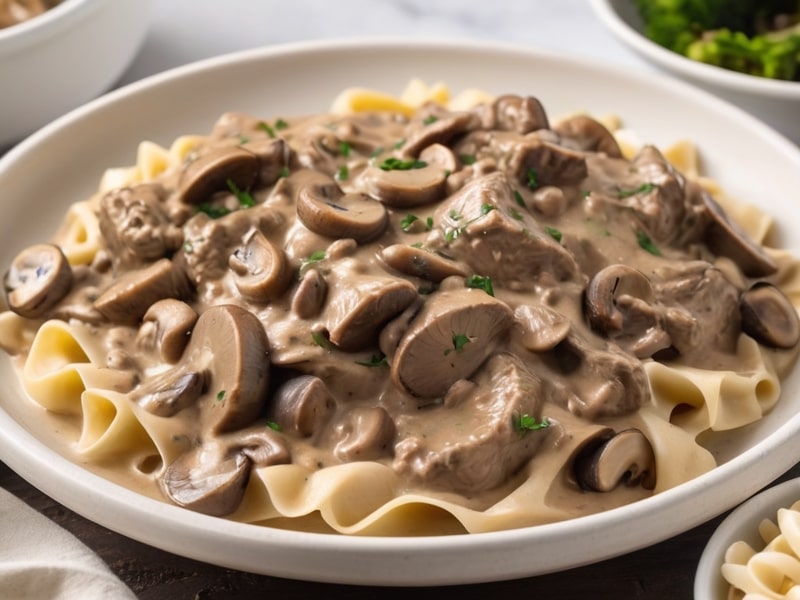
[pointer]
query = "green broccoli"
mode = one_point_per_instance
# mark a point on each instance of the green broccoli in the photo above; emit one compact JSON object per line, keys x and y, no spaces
{"x":758,"y":37}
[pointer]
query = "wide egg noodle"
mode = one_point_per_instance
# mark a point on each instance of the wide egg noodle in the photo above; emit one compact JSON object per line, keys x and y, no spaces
{"x":79,"y":235}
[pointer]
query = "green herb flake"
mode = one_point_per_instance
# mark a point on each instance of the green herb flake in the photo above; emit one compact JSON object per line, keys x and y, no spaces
{"x":281,"y":124}
{"x":188,"y":248}
{"x":646,"y":243}
{"x":342,"y":173}
{"x":376,"y":360}
{"x":315,"y":257}
{"x":244,"y":197}
{"x":518,"y":197}
{"x":460,"y":341}
{"x":416,"y":245}
{"x":408,"y":221}
{"x":642,"y":189}
{"x":468,"y":159}
{"x":480,"y":282}
{"x":525,"y":423}
{"x":344,"y":149}
{"x":398,"y":164}
{"x":212,"y":210}
{"x":453,"y":215}
{"x":532,"y":178}
{"x":264,"y":126}
{"x":429,"y":223}
{"x":399,"y":144}
{"x":220,"y":395}
{"x":284,"y":172}
{"x":553,"y":233}
{"x":447,"y":173}
{"x":243,"y":139}
{"x":273,"y":425}
{"x":486,"y":209}
{"x":430,"y":119}
{"x":515,"y":214}
{"x":321,"y":339}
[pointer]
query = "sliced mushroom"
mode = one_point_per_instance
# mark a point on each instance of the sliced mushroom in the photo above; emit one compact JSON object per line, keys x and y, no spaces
{"x":450,"y":337}
{"x":626,"y":457}
{"x":769,"y":317}
{"x":589,"y":134}
{"x":127,"y":299}
{"x":39,"y":277}
{"x":260,"y":269}
{"x":273,"y":156}
{"x":325,"y":209}
{"x":262,"y":445}
{"x":441,"y":156}
{"x":542,"y":327}
{"x":726,"y":238}
{"x":440,"y":131}
{"x":302,"y":405}
{"x":405,"y":188}
{"x":166,"y":326}
{"x":364,"y":434}
{"x":310,"y":295}
{"x":522,"y":114}
{"x":418,"y":262}
{"x":167,"y":395}
{"x":535,"y":162}
{"x":211,"y":172}
{"x":604,"y":290}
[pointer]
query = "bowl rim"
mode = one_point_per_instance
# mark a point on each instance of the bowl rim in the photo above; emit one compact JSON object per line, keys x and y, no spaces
{"x":42,"y":27}
{"x":108,"y":497}
{"x":702,"y":72}
{"x":740,"y":524}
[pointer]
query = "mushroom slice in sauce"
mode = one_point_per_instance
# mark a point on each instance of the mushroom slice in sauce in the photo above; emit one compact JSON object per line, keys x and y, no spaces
{"x":451,"y":336}
{"x":211,"y":172}
{"x":726,"y":238}
{"x":365,"y":433}
{"x":261,"y":271}
{"x":626,"y":457}
{"x":310,"y":295}
{"x":522,"y":114}
{"x":166,"y":327}
{"x":536,"y":162}
{"x":129,"y":297}
{"x":324,"y":209}
{"x":419,"y":262}
{"x":542,"y":327}
{"x":419,"y":184}
{"x":589,"y":135}
{"x":39,"y":277}
{"x":302,"y":405}
{"x":769,"y":317}
{"x":439,"y":131}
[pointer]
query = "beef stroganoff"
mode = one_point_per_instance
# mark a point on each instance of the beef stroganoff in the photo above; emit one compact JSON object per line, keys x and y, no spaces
{"x":409,"y":315}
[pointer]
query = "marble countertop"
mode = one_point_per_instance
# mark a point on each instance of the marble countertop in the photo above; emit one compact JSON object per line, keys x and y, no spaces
{"x":183,"y":31}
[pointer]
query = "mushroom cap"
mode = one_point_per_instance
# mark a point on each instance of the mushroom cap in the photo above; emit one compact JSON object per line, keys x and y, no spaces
{"x":419,"y":262}
{"x":613,"y":459}
{"x":605,"y":289}
{"x":542,"y":327}
{"x":522,"y":114}
{"x":769,"y":317}
{"x":405,"y":188}
{"x":366,"y":433}
{"x":310,"y":295}
{"x":302,"y":405}
{"x":260,"y":269}
{"x":591,"y":135}
{"x":451,"y":336}
{"x":201,"y":482}
{"x":129,"y":297}
{"x":166,"y":326}
{"x":211,"y":172}
{"x":38,"y":278}
{"x":231,"y":344}
{"x":324,"y":209}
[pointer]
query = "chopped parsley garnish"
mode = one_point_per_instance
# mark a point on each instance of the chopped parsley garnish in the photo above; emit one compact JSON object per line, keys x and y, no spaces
{"x":416,"y":245}
{"x":518,"y":197}
{"x":399,"y":144}
{"x":344,"y":149}
{"x":480,"y":282}
{"x":284,"y":172}
{"x":343,"y":173}
{"x":429,"y":223}
{"x":220,"y":395}
{"x":281,"y":124}
{"x":244,"y":197}
{"x":468,"y":159}
{"x":273,"y":425}
{"x":525,"y":423}
{"x":314,"y":258}
{"x":459,"y":342}
{"x":188,"y":248}
{"x":321,"y":339}
{"x":646,"y":243}
{"x":212,"y":210}
{"x":532,"y":178}
{"x":430,"y":119}
{"x":553,"y":233}
{"x":376,"y":360}
{"x":453,"y":214}
{"x":486,"y":209}
{"x":264,"y":126}
{"x":642,"y":189}
{"x":407,"y":223}
{"x":243,"y":139}
{"x":398,"y":164}
{"x":515,"y":214}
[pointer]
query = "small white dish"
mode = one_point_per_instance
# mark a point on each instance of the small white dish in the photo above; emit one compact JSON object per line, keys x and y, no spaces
{"x":777,"y":103}
{"x":741,"y":524}
{"x":64,"y":57}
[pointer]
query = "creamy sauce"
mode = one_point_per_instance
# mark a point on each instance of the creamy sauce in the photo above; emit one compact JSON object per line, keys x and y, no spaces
{"x":464,"y":297}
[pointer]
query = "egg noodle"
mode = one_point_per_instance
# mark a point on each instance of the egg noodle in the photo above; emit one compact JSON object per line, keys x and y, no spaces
{"x":66,"y":372}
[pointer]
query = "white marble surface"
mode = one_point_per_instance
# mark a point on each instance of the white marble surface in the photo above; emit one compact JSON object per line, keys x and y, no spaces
{"x":183,"y":31}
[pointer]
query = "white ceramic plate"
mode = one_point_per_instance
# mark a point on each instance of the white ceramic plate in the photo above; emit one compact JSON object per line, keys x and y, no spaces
{"x":741,"y":524}
{"x":64,"y":161}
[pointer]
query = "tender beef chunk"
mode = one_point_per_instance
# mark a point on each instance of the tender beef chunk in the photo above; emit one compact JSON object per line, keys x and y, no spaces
{"x":483,"y":226}
{"x":434,"y":449}
{"x":135,"y":225}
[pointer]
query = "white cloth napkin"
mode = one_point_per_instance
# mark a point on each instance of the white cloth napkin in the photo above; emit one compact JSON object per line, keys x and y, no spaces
{"x":41,"y":561}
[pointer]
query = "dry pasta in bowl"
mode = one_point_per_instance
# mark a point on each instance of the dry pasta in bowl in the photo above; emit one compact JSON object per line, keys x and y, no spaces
{"x":409,"y":315}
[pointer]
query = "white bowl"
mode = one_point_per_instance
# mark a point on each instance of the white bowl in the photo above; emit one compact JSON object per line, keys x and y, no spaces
{"x":58,"y":60}
{"x":741,"y":524}
{"x":63,"y":162}
{"x":777,"y":103}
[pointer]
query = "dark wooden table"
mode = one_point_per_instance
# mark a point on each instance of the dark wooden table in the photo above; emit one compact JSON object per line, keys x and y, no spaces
{"x":664,"y":571}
